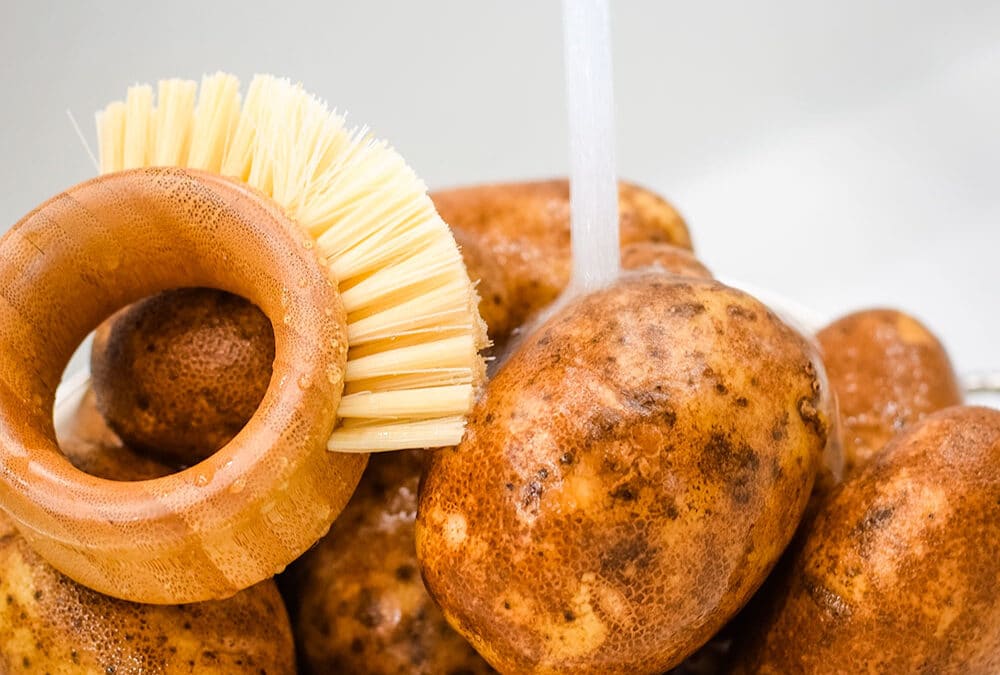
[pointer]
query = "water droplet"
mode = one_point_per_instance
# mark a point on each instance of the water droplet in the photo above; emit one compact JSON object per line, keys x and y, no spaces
{"x":305,"y":382}
{"x":238,"y":485}
{"x":201,"y":480}
{"x":287,"y":320}
{"x":308,"y":244}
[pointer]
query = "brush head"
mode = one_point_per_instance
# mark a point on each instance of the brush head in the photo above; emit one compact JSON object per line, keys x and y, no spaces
{"x":414,"y":331}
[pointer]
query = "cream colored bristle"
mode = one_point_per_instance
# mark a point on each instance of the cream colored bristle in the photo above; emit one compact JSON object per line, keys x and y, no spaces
{"x":138,"y":126}
{"x":381,"y":437}
{"x":409,"y":403}
{"x":172,"y":122}
{"x":111,"y":137}
{"x":422,"y":358}
{"x":438,"y":377}
{"x":215,"y":117}
{"x":414,"y":330}
{"x":409,"y":317}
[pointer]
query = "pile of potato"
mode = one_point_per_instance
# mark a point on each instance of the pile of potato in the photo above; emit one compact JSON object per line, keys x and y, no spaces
{"x":662,"y":475}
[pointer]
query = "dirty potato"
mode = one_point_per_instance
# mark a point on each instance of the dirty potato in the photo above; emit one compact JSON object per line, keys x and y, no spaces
{"x":515,"y":239}
{"x":179,"y":374}
{"x":628,"y":480}
{"x":665,"y":257}
{"x":898,"y":573}
{"x":888,"y":372}
{"x":92,"y":447}
{"x":362,"y":607}
{"x":51,"y":624}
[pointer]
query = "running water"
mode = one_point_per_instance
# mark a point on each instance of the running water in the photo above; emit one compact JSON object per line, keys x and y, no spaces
{"x":593,"y":182}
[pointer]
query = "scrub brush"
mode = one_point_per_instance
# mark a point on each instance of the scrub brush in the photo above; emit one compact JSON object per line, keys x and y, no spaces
{"x":414,"y":330}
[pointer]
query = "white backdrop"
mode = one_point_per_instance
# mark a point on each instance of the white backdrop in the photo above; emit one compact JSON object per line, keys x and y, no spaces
{"x":841,"y":154}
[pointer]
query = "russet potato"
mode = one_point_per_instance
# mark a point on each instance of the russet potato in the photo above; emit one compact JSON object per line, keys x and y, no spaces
{"x":898,"y":572}
{"x":516,"y":241}
{"x":51,"y":624}
{"x":888,"y":372}
{"x":362,"y":606}
{"x":628,"y":480}
{"x":179,"y":374}
{"x":641,"y":255}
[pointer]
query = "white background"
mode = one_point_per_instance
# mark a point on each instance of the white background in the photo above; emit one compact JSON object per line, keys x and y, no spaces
{"x":843,"y":154}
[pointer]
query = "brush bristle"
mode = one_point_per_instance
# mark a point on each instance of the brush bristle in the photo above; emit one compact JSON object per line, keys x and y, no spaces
{"x":413,"y":325}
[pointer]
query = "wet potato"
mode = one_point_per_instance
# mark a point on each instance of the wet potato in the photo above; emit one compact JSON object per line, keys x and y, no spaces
{"x":627,"y":482}
{"x":898,"y":573}
{"x":50,"y":624}
{"x":362,"y":606}
{"x":888,"y":372}
{"x":516,"y":240}
{"x":179,"y":374}
{"x":664,"y":257}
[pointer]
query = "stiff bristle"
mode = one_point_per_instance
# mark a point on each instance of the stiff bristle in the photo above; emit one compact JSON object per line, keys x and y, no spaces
{"x":413,"y":325}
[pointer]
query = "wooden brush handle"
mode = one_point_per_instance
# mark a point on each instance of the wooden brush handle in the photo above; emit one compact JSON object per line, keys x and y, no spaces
{"x":244,"y":513}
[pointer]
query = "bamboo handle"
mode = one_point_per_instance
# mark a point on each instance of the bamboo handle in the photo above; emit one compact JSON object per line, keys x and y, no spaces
{"x":244,"y":513}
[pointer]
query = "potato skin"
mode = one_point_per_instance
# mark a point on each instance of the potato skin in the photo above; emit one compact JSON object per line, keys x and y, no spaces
{"x":51,"y":624}
{"x":362,"y":606}
{"x":665,"y":257}
{"x":888,"y":372}
{"x":898,"y":574}
{"x":92,"y":447}
{"x":521,"y":230}
{"x":179,"y":374}
{"x":627,"y":481}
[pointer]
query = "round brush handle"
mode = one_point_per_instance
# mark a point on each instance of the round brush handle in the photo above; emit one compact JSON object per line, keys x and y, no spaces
{"x":247,"y":511}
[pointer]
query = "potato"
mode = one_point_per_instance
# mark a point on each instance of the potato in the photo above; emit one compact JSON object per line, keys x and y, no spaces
{"x":179,"y":374}
{"x":898,"y":573}
{"x":521,"y":232}
{"x":50,"y":624}
{"x":492,"y":283}
{"x":665,"y":257}
{"x":888,"y":372}
{"x":627,"y":481}
{"x":362,"y":607}
{"x":92,"y":447}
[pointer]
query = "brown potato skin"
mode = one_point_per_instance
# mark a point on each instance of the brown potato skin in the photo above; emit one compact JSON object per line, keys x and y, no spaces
{"x":91,"y":446}
{"x":898,"y":573}
{"x":888,"y":372}
{"x":627,"y":481}
{"x":51,"y":624}
{"x":362,"y":604}
{"x":523,"y":230}
{"x":665,"y":257}
{"x":179,"y":374}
